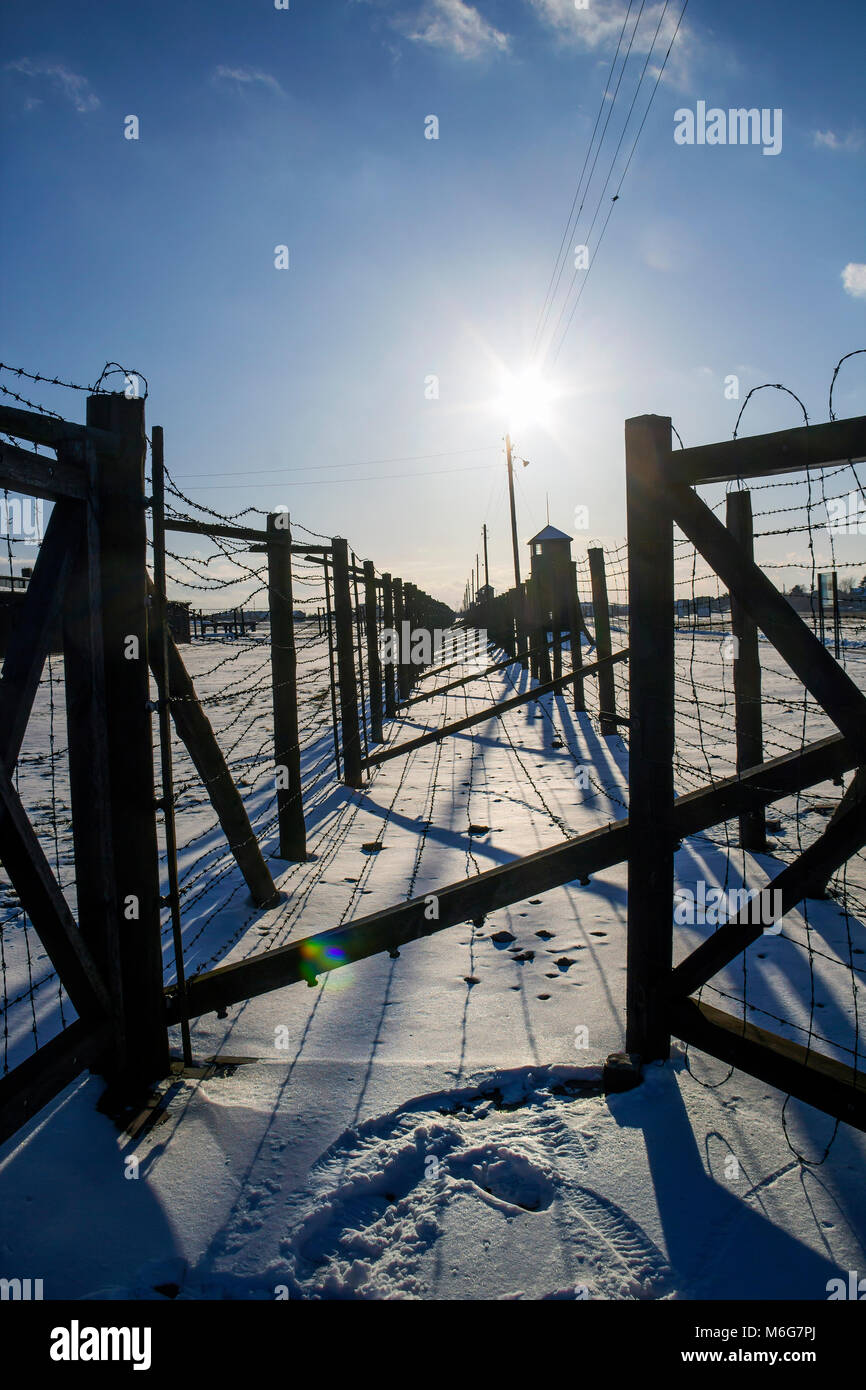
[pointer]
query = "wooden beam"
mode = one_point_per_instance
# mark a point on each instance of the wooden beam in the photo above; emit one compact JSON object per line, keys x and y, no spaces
{"x":35,"y":623}
{"x":47,"y":430}
{"x":484,"y":893}
{"x":463,"y":680}
{"x":39,"y":476}
{"x":374,"y":662}
{"x":24,"y":860}
{"x":747,"y":673}
{"x":601,"y":624}
{"x":651,"y":749}
{"x":808,"y":658}
{"x":158,"y":653}
{"x":830,"y":1086}
{"x":36,"y":1081}
{"x":284,"y":683}
{"x":840,"y":840}
{"x":786,"y":451}
{"x":206,"y":528}
{"x":89,"y":774}
{"x":388,"y":666}
{"x":853,"y":796}
{"x":122,"y":599}
{"x":349,"y":724}
{"x":492,"y":712}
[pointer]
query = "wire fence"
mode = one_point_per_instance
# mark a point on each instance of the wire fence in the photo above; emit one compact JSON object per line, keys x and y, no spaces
{"x":804,"y":981}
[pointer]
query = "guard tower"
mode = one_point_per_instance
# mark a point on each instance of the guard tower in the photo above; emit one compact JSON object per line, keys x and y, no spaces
{"x":553,"y":605}
{"x":552,"y":576}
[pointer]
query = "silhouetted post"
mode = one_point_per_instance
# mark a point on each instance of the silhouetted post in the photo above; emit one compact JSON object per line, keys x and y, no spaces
{"x":410,"y":613}
{"x":359,"y":622}
{"x":159,"y":657}
{"x":374,"y":664}
{"x":401,"y":617}
{"x":284,"y":680}
{"x":651,"y":752}
{"x":333,"y":682}
{"x":575,"y":628}
{"x":747,"y":675}
{"x":601,"y":611}
{"x":557,"y":649}
{"x":388,"y":625}
{"x":123,"y":610}
{"x":346,"y":665}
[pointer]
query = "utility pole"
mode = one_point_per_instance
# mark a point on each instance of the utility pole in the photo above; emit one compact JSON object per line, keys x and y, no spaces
{"x":486,"y":571}
{"x":513,"y":514}
{"x":521,"y":623}
{"x":477,"y":574}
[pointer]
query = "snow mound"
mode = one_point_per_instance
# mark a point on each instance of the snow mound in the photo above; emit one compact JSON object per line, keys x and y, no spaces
{"x":449,"y":1195}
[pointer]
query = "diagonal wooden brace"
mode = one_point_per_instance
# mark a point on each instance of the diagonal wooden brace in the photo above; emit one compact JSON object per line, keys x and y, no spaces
{"x":839,"y":841}
{"x":31,"y":877}
{"x":808,"y":658}
{"x":30,"y":639}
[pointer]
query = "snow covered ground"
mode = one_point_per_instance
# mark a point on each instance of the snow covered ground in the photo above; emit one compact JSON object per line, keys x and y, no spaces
{"x":433,"y":1126}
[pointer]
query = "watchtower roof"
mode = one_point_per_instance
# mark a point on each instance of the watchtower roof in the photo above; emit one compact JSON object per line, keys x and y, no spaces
{"x":550,"y":533}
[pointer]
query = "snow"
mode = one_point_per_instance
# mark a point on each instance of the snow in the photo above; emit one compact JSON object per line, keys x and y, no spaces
{"x":433,"y":1125}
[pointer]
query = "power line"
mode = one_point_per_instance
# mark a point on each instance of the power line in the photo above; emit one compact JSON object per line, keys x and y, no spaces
{"x":364,"y":463}
{"x":543,"y":313}
{"x":612,"y":164}
{"x":615,"y":198}
{"x":338,"y":482}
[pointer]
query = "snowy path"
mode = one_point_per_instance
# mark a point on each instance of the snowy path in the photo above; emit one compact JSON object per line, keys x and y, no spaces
{"x":398,"y":1132}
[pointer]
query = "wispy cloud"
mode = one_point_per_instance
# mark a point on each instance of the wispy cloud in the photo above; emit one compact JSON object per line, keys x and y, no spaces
{"x":71,"y":85}
{"x":854,"y":280}
{"x":598,"y":28}
{"x":829,"y":140}
{"x":454,"y":26}
{"x":240,"y":78}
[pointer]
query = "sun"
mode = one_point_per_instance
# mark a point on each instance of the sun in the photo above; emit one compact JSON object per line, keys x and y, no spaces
{"x":526,"y":399}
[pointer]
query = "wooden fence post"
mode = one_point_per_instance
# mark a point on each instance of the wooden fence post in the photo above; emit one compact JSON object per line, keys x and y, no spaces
{"x":388,"y":625}
{"x":410,"y":615}
{"x":747,"y":675}
{"x":601,"y":614}
{"x":651,"y":783}
{"x":349,"y":720}
{"x":284,"y":680}
{"x":327,"y":567}
{"x":403,"y":684}
{"x":374,"y":664}
{"x":575,"y":629}
{"x":120,"y":504}
{"x":359,"y":626}
{"x":159,"y":658}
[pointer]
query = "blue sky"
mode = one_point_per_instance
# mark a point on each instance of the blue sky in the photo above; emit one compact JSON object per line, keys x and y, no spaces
{"x":412,"y":258}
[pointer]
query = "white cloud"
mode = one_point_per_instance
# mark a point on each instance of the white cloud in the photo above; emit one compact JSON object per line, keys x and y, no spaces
{"x":598,"y":28}
{"x":245,"y":77}
{"x":71,"y":85}
{"x":854,"y":279}
{"x":829,"y":140}
{"x":455,"y":26}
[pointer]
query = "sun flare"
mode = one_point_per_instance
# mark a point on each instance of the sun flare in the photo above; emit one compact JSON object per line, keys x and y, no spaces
{"x":526,"y":399}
